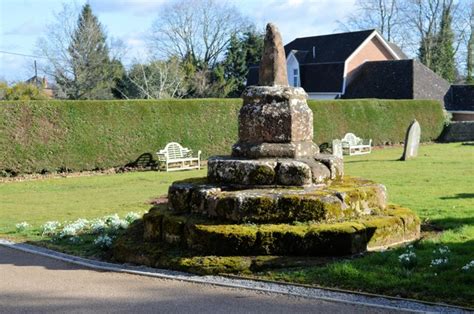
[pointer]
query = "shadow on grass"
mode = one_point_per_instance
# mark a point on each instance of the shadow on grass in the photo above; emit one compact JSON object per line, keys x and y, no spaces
{"x":452,"y":222}
{"x":458,"y":196}
{"x":371,"y":160}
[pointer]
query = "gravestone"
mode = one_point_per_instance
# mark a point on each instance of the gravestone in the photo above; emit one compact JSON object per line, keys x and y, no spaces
{"x":412,"y":141}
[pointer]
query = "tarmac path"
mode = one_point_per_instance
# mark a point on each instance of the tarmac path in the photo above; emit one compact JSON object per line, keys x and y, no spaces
{"x":31,"y":283}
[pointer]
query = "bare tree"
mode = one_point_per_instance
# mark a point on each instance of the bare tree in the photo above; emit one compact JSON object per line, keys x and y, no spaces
{"x":195,"y":29}
{"x":154,"y":80}
{"x":383,"y":15}
{"x":59,"y":48}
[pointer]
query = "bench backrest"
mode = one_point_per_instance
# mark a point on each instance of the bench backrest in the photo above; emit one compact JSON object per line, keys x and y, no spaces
{"x":352,"y":139}
{"x":174,"y":150}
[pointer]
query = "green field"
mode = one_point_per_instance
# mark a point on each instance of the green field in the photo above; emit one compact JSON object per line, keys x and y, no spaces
{"x":438,"y":185}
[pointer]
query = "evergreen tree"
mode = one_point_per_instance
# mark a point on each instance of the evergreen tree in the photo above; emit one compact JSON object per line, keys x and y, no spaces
{"x":470,"y":58}
{"x":253,"y":45}
{"x":93,"y":73}
{"x":242,"y":53}
{"x":235,"y":67}
{"x":443,"y":54}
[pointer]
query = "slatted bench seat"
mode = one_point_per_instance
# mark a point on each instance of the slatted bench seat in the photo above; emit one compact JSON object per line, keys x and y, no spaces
{"x":176,"y":157}
{"x":353,"y":145}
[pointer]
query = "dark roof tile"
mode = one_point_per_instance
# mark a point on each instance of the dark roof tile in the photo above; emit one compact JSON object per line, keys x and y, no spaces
{"x":329,"y":48}
{"x":382,"y":79}
{"x":323,"y":77}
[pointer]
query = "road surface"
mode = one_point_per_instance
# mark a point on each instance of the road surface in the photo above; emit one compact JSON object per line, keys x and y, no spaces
{"x":31,"y":283}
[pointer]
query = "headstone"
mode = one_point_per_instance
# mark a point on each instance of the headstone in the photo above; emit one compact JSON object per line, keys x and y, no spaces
{"x":337,"y":148}
{"x":412,"y":141}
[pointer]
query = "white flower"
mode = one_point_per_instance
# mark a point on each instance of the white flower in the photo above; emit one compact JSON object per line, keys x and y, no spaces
{"x":132,"y":216}
{"x":114,"y":222}
{"x":74,"y":228}
{"x":443,"y":250}
{"x":103,"y":241}
{"x":468,"y":265}
{"x":50,"y":227}
{"x":439,"y":261}
{"x":98,"y":225}
{"x":22,"y":226}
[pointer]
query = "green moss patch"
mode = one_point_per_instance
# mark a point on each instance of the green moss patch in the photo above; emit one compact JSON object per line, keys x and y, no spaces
{"x":394,"y":226}
{"x":346,"y":199}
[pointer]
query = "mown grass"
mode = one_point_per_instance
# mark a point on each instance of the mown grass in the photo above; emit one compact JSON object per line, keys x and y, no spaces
{"x":438,"y":185}
{"x":67,"y":199}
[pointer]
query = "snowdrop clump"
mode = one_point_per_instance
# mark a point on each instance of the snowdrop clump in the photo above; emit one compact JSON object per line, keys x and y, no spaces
{"x":22,"y":226}
{"x":74,"y":228}
{"x":103,"y":241}
{"x":105,"y":228}
{"x":468,"y":266}
{"x":98,"y":225}
{"x":50,"y":228}
{"x":439,"y":261}
{"x":441,"y":256}
{"x":115,"y":223}
{"x":408,"y":259}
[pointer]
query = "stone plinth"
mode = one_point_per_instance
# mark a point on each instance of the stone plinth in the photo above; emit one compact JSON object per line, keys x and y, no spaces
{"x":351,"y":199}
{"x":275,"y":121}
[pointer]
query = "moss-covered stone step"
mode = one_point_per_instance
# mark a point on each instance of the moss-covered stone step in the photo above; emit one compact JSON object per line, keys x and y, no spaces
{"x":345,"y":199}
{"x":130,"y":248}
{"x":392,"y":226}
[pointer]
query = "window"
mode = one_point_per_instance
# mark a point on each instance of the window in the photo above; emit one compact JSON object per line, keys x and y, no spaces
{"x":295,"y":78}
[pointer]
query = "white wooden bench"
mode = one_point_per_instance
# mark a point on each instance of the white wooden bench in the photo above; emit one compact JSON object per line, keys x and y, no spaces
{"x":353,"y":145}
{"x":176,"y":157}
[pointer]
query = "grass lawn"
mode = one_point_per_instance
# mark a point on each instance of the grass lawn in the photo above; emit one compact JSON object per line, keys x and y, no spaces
{"x":438,"y":185}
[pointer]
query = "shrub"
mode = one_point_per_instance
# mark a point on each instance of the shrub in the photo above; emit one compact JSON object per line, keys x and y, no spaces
{"x":47,"y":136}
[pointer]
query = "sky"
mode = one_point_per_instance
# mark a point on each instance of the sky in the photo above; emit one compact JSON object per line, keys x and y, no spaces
{"x":23,"y":22}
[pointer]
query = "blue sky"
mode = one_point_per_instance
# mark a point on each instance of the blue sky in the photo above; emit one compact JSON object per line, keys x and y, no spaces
{"x":22,"y":22}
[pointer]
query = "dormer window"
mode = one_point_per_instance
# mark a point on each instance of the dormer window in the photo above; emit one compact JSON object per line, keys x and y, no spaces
{"x":295,"y":78}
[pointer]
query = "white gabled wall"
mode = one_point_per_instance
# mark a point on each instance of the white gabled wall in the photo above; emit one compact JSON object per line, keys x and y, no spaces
{"x":292,"y":65}
{"x":322,"y":95}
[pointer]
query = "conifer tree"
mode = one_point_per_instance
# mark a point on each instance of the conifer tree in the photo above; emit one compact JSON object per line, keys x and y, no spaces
{"x":470,"y":58}
{"x":443,"y":54}
{"x":235,"y":67}
{"x":93,"y":73}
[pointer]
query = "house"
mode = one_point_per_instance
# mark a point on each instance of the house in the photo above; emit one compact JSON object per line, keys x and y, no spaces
{"x":356,"y":65}
{"x":460,"y":102}
{"x":41,"y":83}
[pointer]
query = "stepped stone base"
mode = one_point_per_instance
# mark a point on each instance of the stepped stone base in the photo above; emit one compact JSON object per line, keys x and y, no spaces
{"x":349,"y":199}
{"x":392,"y":226}
{"x":268,"y":171}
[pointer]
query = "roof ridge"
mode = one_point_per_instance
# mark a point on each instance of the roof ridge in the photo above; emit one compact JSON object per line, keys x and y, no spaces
{"x":334,"y":34}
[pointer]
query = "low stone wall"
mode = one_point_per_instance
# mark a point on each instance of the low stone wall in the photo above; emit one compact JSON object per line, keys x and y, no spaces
{"x":458,"y":132}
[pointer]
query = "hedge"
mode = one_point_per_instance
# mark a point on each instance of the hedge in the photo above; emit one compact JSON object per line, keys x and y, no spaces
{"x":83,"y":135}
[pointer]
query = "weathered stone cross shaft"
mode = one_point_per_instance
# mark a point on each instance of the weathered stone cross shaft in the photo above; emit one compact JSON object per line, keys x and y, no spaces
{"x":275,"y":120}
